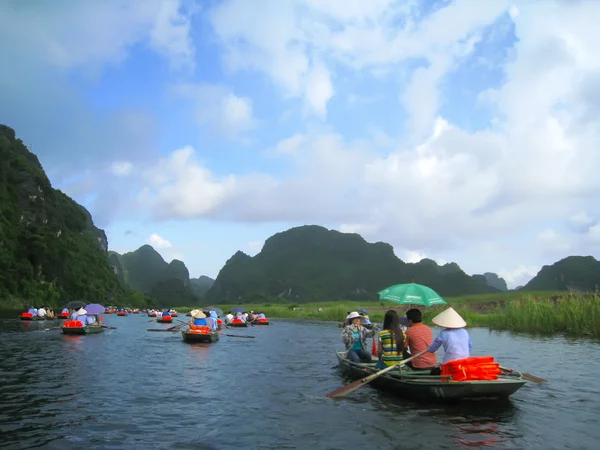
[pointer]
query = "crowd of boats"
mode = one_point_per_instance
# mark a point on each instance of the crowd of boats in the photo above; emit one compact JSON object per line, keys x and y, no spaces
{"x":402,"y":357}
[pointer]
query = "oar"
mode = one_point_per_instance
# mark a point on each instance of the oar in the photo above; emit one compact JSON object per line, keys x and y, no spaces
{"x":238,"y":335}
{"x":171,"y":329}
{"x":526,"y":376}
{"x":110,"y":328}
{"x":339,"y":392}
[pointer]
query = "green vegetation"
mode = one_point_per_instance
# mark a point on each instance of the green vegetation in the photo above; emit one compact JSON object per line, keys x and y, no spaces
{"x":310,"y":264}
{"x":530,"y":312}
{"x":50,"y":250}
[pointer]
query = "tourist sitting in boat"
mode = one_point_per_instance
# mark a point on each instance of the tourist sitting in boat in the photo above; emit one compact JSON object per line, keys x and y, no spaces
{"x":239,"y":317}
{"x":390,"y":341}
{"x":32,"y":311}
{"x":454,"y":338}
{"x":261,"y":316}
{"x":65,"y":310}
{"x":74,"y":314}
{"x":198,"y":319}
{"x":90,"y":320}
{"x":81,"y":315}
{"x":50,"y":313}
{"x":166,"y":314}
{"x":215,"y":318}
{"x":418,"y":338}
{"x":367,"y":320}
{"x":228,"y":317}
{"x":354,"y":337}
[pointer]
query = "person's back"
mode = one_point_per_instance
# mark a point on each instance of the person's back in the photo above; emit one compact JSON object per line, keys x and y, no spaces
{"x":41,"y":312}
{"x":74,"y":315}
{"x":454,"y":338}
{"x":166,"y":314}
{"x":90,"y":320}
{"x":418,"y":338}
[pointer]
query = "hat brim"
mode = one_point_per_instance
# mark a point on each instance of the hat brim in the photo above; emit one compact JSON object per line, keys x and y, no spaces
{"x":348,"y":321}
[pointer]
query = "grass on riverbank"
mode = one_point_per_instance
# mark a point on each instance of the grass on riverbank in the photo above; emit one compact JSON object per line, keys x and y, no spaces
{"x":532,"y":312}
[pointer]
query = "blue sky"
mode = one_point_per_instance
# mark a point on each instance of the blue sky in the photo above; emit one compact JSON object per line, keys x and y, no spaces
{"x":444,"y":128}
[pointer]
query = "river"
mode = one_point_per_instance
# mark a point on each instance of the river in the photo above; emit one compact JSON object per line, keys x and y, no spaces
{"x":128,"y":388}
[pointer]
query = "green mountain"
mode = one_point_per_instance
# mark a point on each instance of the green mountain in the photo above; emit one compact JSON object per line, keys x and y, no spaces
{"x":146,"y":271}
{"x":201,"y":285}
{"x":312,"y":263}
{"x":574,"y":273}
{"x":50,"y":249}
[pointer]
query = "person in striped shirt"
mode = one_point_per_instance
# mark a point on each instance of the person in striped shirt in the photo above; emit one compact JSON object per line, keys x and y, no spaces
{"x":390,"y":341}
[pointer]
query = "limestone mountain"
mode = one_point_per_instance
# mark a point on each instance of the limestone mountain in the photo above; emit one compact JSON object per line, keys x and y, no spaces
{"x":576,"y":273}
{"x":50,"y":249}
{"x":201,"y":285}
{"x":146,"y":271}
{"x":311,"y":263}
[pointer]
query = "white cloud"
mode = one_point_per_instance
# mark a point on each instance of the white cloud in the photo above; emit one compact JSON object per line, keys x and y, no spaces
{"x":519,"y":276}
{"x":157,"y":241}
{"x":219,"y":108}
{"x":121,"y":168}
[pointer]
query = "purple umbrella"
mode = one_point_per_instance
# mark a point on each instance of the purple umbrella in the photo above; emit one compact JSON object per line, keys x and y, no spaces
{"x":95,"y":308}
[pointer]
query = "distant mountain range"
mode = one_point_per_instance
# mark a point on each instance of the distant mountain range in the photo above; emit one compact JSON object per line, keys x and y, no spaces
{"x":51,"y":251}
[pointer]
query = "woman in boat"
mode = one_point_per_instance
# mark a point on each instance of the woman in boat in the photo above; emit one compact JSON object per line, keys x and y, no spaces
{"x":454,"y":338}
{"x":354,"y":337}
{"x":166,"y":314}
{"x":390,"y":341}
{"x":214,"y":317}
{"x":198,"y":319}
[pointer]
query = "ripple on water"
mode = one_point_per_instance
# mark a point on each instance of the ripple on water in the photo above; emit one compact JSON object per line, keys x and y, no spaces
{"x":127,"y":388}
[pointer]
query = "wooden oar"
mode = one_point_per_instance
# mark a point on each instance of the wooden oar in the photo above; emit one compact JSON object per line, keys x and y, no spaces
{"x":526,"y":376}
{"x":238,"y":335}
{"x":170,"y":329}
{"x":344,"y":390}
{"x":110,"y":328}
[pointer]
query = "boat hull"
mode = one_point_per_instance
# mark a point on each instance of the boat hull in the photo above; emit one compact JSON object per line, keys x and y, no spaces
{"x":32,"y":319}
{"x":419,"y":385}
{"x":260,"y":323}
{"x":202,"y":338}
{"x":238,"y":325}
{"x":80,"y":331}
{"x":164,"y":320}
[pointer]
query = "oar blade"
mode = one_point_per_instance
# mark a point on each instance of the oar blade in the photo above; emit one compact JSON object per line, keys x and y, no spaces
{"x":533,"y":378}
{"x":345,"y":390}
{"x":238,"y":335}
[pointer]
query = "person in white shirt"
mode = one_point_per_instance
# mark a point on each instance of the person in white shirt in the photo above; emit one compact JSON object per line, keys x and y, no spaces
{"x":41,"y":312}
{"x":229,"y":317}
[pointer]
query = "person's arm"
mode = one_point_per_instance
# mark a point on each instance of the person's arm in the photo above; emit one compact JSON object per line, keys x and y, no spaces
{"x":347,"y":337}
{"x":379,"y":347}
{"x":437,"y":342}
{"x":470,"y":343}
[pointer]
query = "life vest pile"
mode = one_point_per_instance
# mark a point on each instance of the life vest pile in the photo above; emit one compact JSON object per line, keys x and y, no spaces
{"x":73,"y":324}
{"x":199,"y":329}
{"x":472,"y":368}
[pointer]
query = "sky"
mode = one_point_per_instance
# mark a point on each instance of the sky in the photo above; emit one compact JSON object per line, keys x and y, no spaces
{"x":459,"y":131}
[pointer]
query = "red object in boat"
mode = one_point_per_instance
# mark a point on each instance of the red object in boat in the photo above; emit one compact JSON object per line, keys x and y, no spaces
{"x":263,"y":320}
{"x":199,"y":329}
{"x":236,"y":321}
{"x":26,"y":314}
{"x":219,"y":322}
{"x":62,"y":314}
{"x":73,"y":324}
{"x":472,"y":368}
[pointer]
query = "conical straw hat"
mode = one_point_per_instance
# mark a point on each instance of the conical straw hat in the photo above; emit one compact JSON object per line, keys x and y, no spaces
{"x":81,"y":312}
{"x":449,"y":319}
{"x":193,"y":312}
{"x":199,"y":315}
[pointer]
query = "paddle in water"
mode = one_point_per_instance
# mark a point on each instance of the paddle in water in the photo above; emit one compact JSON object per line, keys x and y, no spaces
{"x":238,"y":335}
{"x":525,"y":376}
{"x":344,"y":390}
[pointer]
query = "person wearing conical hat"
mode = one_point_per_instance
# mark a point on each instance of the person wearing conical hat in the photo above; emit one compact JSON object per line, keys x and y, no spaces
{"x":198,"y":319}
{"x":354,"y":337}
{"x":454,"y":338}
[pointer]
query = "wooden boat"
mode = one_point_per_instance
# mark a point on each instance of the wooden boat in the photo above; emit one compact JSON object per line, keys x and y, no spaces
{"x":64,"y":316}
{"x":164,"y":320}
{"x":193,"y":336}
{"x":152,"y":314}
{"x":30,"y":317}
{"x":420,"y":385}
{"x":261,"y":322}
{"x":237,"y":324}
{"x":121,"y":314}
{"x":79,"y":331}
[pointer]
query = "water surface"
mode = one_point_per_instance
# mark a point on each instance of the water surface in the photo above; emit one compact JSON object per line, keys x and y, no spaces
{"x":128,"y":388}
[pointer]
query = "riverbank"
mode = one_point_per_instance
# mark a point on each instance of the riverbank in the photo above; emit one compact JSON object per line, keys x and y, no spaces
{"x":533,"y":312}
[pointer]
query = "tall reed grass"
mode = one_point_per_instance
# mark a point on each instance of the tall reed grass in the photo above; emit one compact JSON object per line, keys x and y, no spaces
{"x":534,"y":312}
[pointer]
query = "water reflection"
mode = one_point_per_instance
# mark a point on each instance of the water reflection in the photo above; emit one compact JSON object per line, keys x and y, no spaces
{"x":116,"y":389}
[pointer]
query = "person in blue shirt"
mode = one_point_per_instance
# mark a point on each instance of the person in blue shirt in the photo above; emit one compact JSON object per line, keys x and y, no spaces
{"x":166,"y":314}
{"x":454,"y":338}
{"x":198,"y":319}
{"x":81,"y":315}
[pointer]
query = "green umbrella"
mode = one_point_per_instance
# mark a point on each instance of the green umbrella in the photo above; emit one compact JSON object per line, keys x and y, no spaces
{"x":411,"y":294}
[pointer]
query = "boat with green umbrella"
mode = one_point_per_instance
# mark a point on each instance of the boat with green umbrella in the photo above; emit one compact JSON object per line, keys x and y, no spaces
{"x":411,"y":294}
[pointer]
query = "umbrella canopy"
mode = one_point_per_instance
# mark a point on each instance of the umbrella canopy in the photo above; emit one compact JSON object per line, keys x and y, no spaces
{"x":95,"y":308}
{"x":363,"y":310}
{"x":411,"y":294}
{"x":237,"y":310}
{"x":75,"y":304}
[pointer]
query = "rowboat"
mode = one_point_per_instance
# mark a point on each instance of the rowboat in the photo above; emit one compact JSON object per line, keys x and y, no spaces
{"x":237,"y":324}
{"x":121,"y":314}
{"x":164,"y":320}
{"x":420,"y":385}
{"x":63,"y":316}
{"x":261,"y":322}
{"x":193,"y":336}
{"x":79,"y":331}
{"x":30,"y":317}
